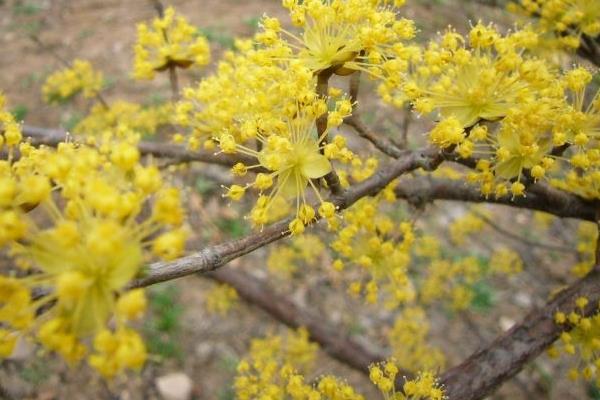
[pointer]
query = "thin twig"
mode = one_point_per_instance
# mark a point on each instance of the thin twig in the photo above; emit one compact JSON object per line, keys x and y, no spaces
{"x":405,"y":126}
{"x":382,"y":143}
{"x":159,"y":7}
{"x":521,"y":239}
{"x":213,"y":257}
{"x":174,"y":82}
{"x":353,"y":89}
{"x":539,"y":197}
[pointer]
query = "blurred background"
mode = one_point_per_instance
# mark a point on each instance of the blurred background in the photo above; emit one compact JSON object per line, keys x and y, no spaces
{"x":195,"y":342}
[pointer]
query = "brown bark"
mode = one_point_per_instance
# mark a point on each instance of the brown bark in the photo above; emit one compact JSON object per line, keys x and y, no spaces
{"x":332,"y":339}
{"x":52,"y":137}
{"x":213,"y":257}
{"x":539,"y":197}
{"x":481,"y":373}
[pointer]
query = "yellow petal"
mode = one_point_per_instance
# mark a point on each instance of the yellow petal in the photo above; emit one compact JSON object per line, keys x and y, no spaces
{"x":92,"y":311}
{"x":124,"y":266}
{"x":291,"y":184}
{"x":510,"y":168}
{"x":315,"y":166}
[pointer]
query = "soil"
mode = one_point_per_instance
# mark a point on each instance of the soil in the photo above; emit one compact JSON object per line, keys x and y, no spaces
{"x":36,"y":35}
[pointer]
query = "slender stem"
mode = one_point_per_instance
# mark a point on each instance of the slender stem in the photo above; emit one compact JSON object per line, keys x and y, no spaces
{"x":159,"y":7}
{"x":102,"y":101}
{"x":353,"y":89}
{"x":174,"y":82}
{"x":521,"y":239}
{"x":382,"y":143}
{"x":332,"y":179}
{"x":539,"y":197}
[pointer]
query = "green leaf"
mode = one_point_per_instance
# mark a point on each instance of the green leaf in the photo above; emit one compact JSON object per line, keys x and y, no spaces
{"x":483,"y":298}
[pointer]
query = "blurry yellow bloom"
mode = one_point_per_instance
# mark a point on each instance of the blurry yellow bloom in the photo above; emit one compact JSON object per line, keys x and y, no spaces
{"x":168,"y":42}
{"x":221,"y":299}
{"x":66,"y":83}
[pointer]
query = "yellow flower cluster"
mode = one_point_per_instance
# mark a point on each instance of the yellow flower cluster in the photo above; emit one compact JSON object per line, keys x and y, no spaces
{"x":581,"y":342}
{"x":454,"y":280}
{"x":424,"y":387}
{"x":284,"y":260}
{"x":220,"y":299}
{"x":500,"y":104}
{"x":463,"y":226}
{"x":294,"y":160}
{"x":273,"y":370}
{"x":85,"y":241}
{"x":451,"y":281}
{"x":471,"y":82}
{"x":479,"y":77}
{"x":123,"y":114}
{"x":169,"y":42}
{"x":578,"y":125}
{"x":506,"y":262}
{"x":269,"y":371}
{"x":342,"y":36}
{"x":10,"y":132}
{"x":251,"y":92}
{"x":263,"y":102}
{"x":267,"y":110}
{"x":66,"y":83}
{"x":562,"y":22}
{"x":408,"y":339}
{"x":371,"y":240}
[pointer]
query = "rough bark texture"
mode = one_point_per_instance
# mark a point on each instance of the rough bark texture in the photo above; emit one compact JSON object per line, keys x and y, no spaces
{"x":539,"y":197}
{"x":331,"y":338}
{"x":213,"y":257}
{"x":479,"y":374}
{"x":382,"y":143}
{"x":485,"y":370}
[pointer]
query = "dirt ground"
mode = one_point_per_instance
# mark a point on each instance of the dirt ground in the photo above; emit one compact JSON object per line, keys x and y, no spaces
{"x":34,"y":35}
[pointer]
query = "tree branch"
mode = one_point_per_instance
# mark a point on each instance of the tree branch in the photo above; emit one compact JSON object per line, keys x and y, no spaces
{"x":382,"y":143}
{"x":213,"y":257}
{"x":521,"y":239}
{"x":52,"y":137}
{"x":485,"y":370}
{"x":332,"y":178}
{"x":539,"y":197}
{"x":331,"y":338}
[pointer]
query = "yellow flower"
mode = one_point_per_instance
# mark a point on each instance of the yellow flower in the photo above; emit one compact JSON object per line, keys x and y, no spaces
{"x":562,"y":22}
{"x":221,"y":299}
{"x":345,"y":36}
{"x":85,"y":243}
{"x":294,"y":161}
{"x":169,"y":42}
{"x":66,"y":83}
{"x":478,"y":79}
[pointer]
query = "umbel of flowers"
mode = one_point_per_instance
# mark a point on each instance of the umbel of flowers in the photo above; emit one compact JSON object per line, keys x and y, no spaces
{"x":71,"y":217}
